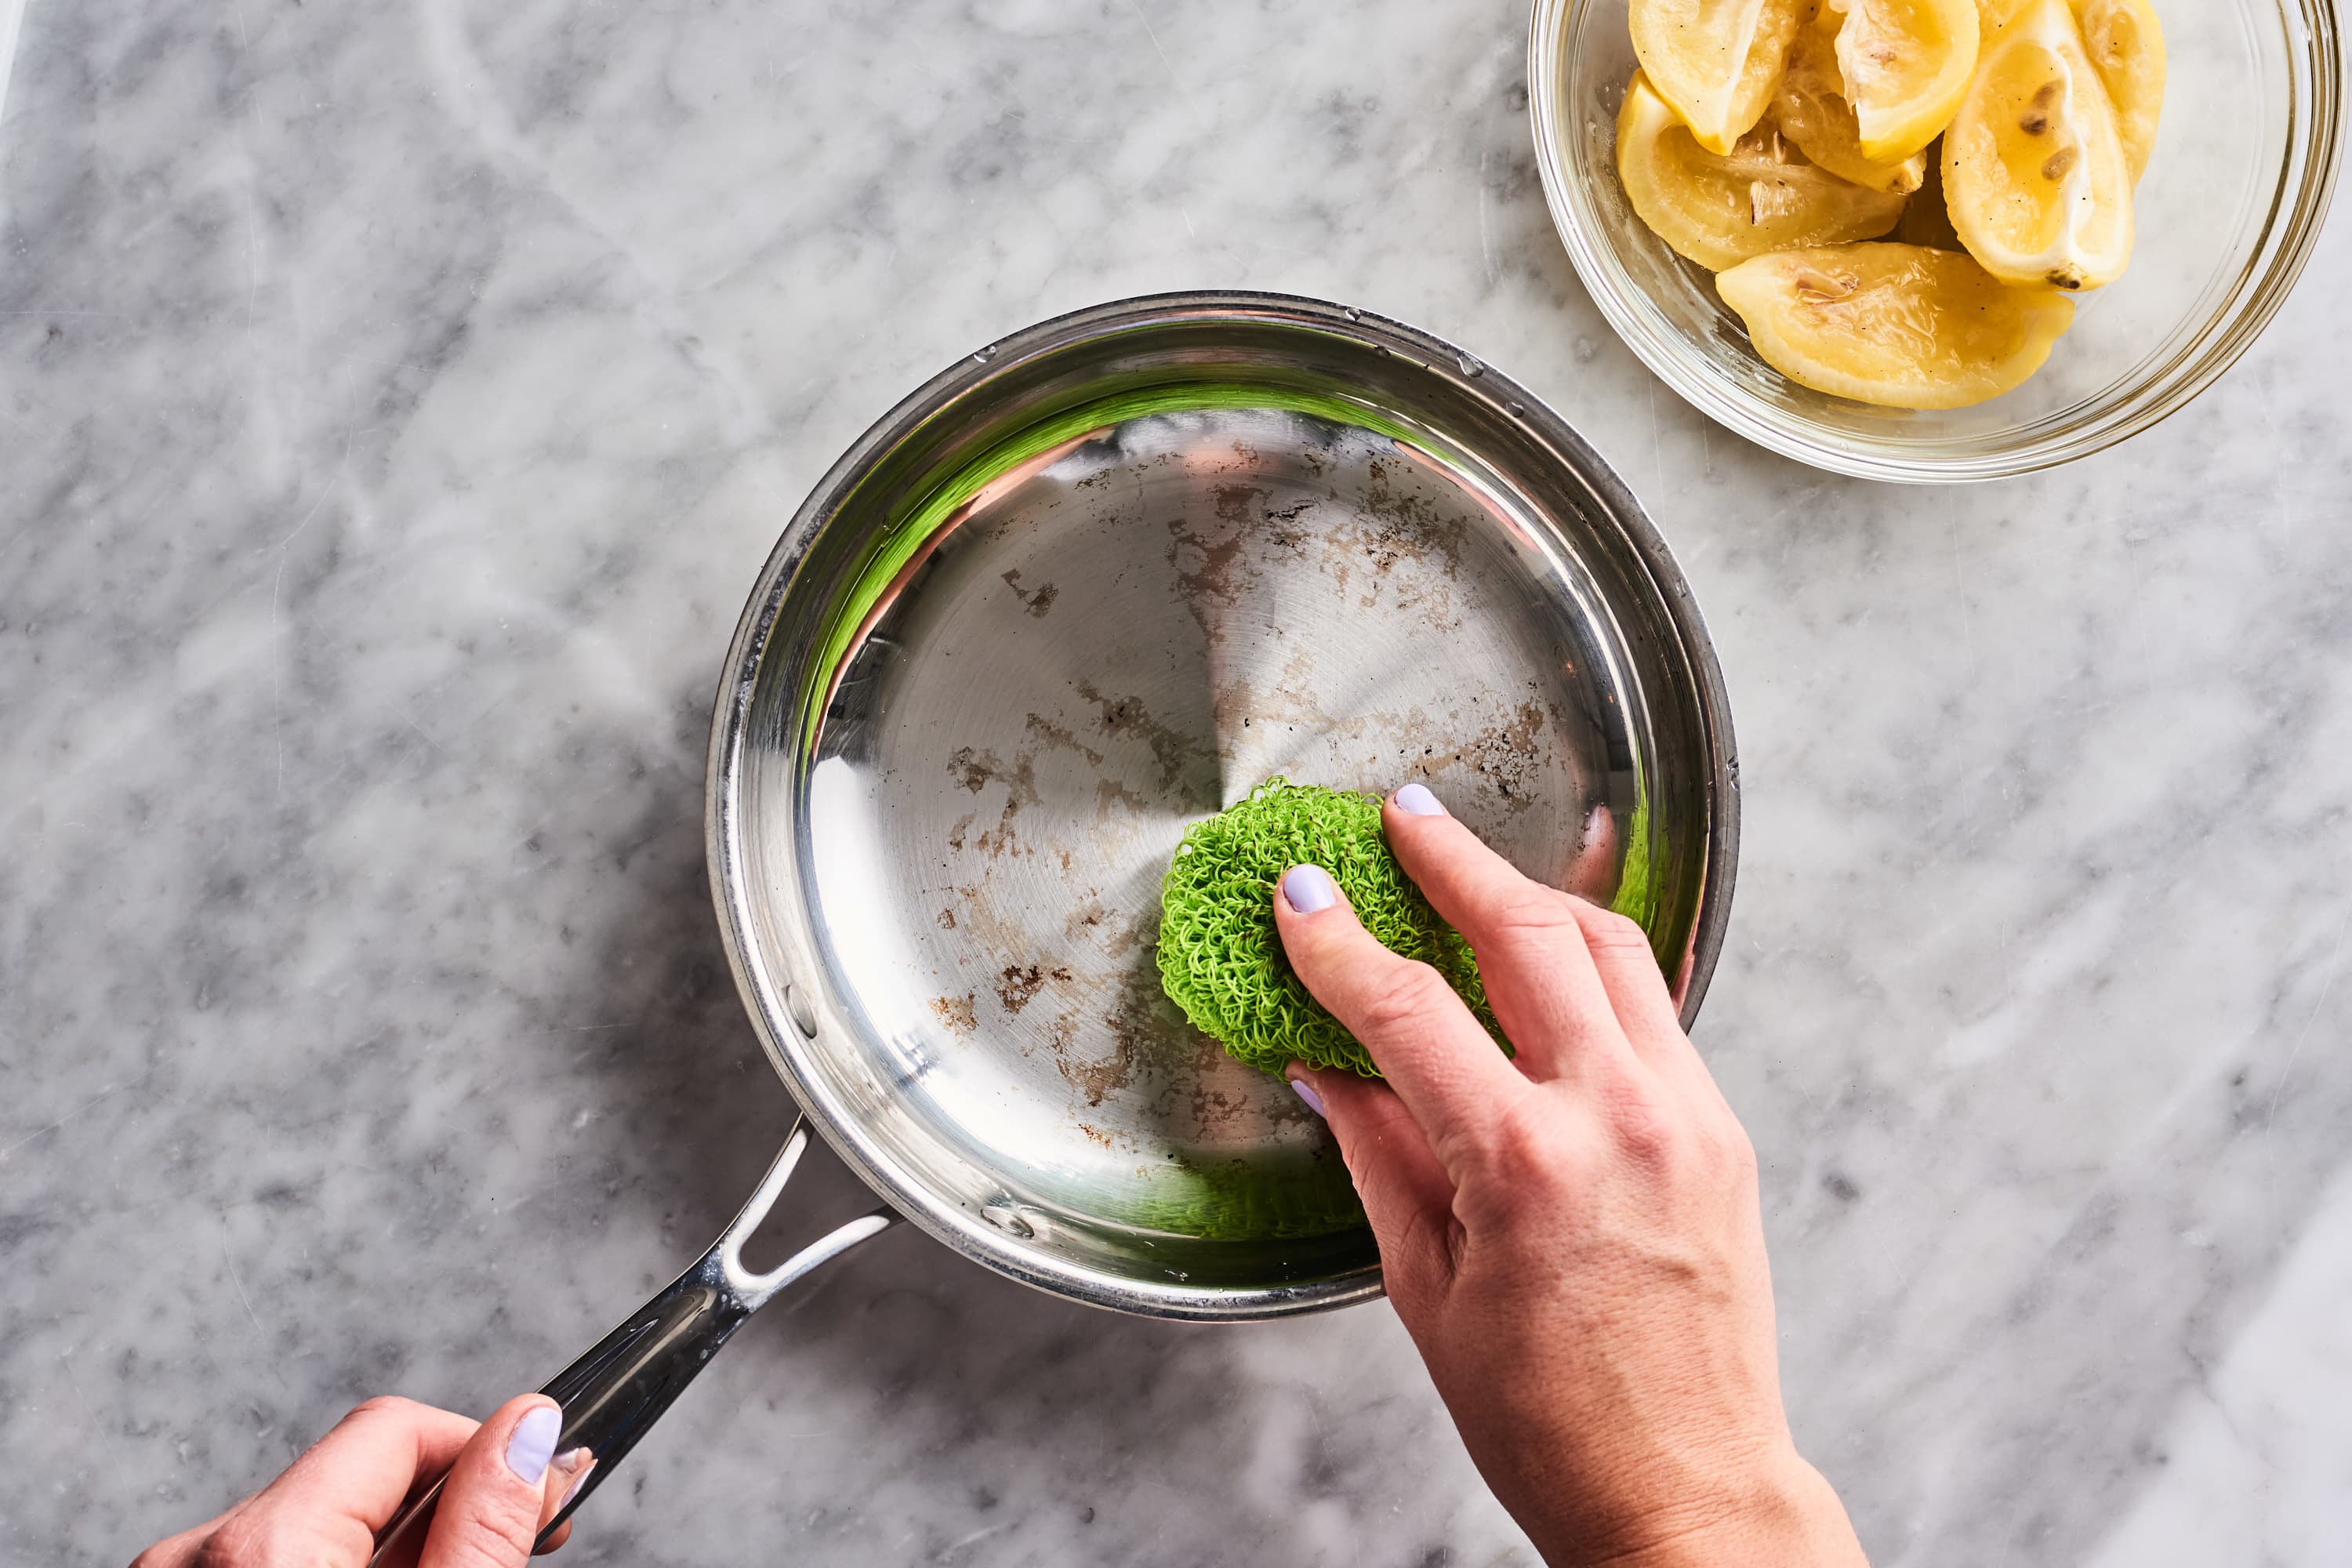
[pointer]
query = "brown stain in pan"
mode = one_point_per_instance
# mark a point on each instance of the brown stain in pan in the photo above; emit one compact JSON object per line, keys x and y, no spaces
{"x":956,"y":1013}
{"x":1018,"y":985}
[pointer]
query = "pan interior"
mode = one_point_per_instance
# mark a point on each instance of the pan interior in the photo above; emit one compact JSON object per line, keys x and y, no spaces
{"x":1112,"y":636}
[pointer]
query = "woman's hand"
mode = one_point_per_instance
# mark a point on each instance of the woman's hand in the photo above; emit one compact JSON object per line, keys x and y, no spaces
{"x":504,"y":1478}
{"x":1572,"y":1237}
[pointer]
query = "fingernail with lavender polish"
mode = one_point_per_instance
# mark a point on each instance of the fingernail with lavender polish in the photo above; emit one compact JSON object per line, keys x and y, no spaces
{"x":1305,"y":1092}
{"x":533,"y":1443}
{"x":1416,"y":799}
{"x":1308,"y":889}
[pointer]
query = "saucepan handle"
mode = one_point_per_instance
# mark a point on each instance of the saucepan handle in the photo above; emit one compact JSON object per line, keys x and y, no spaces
{"x":613,"y":1394}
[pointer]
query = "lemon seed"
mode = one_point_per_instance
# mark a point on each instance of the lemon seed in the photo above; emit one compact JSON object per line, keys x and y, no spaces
{"x":2035,"y":120}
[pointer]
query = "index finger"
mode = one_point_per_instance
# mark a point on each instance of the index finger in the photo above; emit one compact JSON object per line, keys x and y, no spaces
{"x":365,"y":1467}
{"x":331,"y":1501}
{"x":1442,"y":1064}
{"x":1534,"y":951}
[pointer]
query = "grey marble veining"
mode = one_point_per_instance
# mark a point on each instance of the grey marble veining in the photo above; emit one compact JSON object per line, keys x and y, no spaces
{"x":397,"y":401}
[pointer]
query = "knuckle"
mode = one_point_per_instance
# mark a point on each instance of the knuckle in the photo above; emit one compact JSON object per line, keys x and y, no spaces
{"x":1648,"y":1142}
{"x":241,"y":1542}
{"x":1531,"y":908}
{"x":1530,"y":920}
{"x":1730,"y":1156}
{"x":1644,"y":1127}
{"x":1522,"y":1151}
{"x":1516,"y":1131}
{"x":1606,"y":930}
{"x":384,"y":1407}
{"x":1407,"y":998}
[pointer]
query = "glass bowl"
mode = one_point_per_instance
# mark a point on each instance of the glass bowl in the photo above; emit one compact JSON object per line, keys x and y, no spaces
{"x":2227,"y":215}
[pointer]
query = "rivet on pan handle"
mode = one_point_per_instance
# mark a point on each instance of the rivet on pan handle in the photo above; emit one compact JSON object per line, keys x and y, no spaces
{"x":613,"y":1394}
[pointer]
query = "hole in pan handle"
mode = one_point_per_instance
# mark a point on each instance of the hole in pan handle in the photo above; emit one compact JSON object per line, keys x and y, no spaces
{"x":613,"y":1395}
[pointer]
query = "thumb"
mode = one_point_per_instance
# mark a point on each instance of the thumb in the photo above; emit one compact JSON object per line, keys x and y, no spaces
{"x":1407,"y":1195}
{"x":490,"y":1507}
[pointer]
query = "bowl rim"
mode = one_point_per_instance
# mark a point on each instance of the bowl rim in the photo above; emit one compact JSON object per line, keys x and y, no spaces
{"x":2285,"y":243}
{"x":787,"y":1013}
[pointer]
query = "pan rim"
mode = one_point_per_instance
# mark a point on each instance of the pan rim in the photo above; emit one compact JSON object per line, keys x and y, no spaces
{"x":765,"y":984}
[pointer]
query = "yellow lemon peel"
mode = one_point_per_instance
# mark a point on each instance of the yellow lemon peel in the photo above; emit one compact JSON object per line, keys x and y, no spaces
{"x":1899,"y":325}
{"x":1719,"y":210}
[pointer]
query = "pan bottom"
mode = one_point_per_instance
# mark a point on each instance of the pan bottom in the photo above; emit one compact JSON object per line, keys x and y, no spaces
{"x":1110,"y":638}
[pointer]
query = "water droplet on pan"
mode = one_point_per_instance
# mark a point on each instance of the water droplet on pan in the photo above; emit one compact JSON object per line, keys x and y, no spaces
{"x":984,"y":355}
{"x":797,"y":1007}
{"x":1470,"y":366}
{"x":1010,"y":1220}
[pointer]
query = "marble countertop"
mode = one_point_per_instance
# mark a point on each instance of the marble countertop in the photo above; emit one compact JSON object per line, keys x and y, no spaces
{"x":398,"y":401}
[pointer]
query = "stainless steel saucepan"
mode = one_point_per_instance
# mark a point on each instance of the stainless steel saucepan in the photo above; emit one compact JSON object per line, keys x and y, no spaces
{"x":1088,"y":586}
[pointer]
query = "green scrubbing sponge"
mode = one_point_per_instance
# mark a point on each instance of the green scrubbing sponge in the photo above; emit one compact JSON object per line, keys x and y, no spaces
{"x":1221,"y":959}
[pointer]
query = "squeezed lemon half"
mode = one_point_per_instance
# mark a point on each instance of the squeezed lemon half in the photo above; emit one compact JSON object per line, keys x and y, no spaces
{"x":1721,"y":209}
{"x":1905,"y":64}
{"x":1897,"y":325}
{"x":1898,"y":197}
{"x":1812,"y":112}
{"x":1714,"y":60}
{"x":1992,"y":15}
{"x":2035,"y":173}
{"x":2126,"y":43}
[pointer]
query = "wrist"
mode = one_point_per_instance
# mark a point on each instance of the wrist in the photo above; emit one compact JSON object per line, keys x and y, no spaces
{"x":1784,"y":1515}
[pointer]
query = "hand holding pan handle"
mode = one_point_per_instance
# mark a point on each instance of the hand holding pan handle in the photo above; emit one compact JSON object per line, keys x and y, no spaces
{"x":612,"y":1395}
